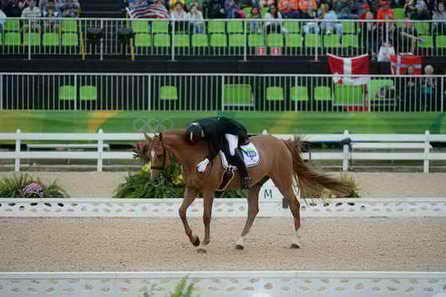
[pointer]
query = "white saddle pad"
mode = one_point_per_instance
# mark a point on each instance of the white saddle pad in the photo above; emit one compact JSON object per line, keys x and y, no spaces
{"x":250,"y":156}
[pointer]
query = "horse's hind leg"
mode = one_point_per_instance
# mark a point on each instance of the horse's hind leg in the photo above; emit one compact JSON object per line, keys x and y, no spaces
{"x":253,"y":210}
{"x":189,"y":197}
{"x":285,"y":186}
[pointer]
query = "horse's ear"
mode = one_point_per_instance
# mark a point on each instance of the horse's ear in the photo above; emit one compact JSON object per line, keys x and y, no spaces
{"x":161,"y":136}
{"x":147,"y":137}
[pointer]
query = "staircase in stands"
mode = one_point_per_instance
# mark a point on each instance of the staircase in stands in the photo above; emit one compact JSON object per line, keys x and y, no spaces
{"x":101,"y":8}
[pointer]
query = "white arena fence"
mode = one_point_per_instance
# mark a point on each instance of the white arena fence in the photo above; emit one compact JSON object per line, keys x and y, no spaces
{"x":415,"y":147}
{"x":221,"y":92}
{"x":225,"y":283}
{"x":243,"y":39}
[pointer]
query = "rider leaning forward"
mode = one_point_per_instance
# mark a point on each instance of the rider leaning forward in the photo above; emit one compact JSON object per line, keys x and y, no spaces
{"x":223,"y":134}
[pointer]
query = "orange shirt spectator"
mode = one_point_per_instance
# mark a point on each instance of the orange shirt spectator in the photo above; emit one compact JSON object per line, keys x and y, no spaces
{"x":307,"y":5}
{"x":288,"y":5}
{"x":384,"y":12}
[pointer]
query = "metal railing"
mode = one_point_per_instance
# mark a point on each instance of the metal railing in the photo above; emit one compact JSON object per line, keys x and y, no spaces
{"x":220,"y":92}
{"x":239,"y":38}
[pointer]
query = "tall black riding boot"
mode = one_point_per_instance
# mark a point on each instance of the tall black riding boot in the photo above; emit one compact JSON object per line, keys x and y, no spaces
{"x":237,"y":159}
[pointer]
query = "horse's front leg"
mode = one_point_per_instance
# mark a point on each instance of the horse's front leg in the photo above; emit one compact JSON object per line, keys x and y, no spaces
{"x":189,"y":196}
{"x":208,"y":200}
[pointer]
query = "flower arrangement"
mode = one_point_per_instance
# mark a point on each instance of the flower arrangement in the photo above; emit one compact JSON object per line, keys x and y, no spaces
{"x":33,"y":190}
{"x":25,"y":186}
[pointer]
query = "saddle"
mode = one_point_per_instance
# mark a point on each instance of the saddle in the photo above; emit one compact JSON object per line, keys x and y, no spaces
{"x":251,"y":157}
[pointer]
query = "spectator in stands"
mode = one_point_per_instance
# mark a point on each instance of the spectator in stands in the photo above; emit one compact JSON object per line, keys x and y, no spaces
{"x":216,"y":9}
{"x":180,"y":16}
{"x":267,"y":3}
{"x":307,"y":9}
{"x":197,"y":3}
{"x":344,"y":9}
{"x":255,"y":26}
{"x":439,"y":15}
{"x":2,"y":20}
{"x":274,"y":23}
{"x":48,"y":9}
{"x":71,"y":8}
{"x":232,"y":9}
{"x":32,"y":11}
{"x":11,"y":9}
{"x":289,"y":9}
{"x":418,"y":9}
{"x":429,"y":91}
{"x":196,"y":19}
{"x":405,"y":39}
{"x":409,"y":91}
{"x":385,"y":13}
{"x":370,"y":35}
{"x":51,"y":12}
{"x":326,"y":13}
{"x":172,"y":3}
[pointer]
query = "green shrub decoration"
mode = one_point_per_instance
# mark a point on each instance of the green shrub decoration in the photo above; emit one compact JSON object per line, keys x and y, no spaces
{"x":25,"y":186}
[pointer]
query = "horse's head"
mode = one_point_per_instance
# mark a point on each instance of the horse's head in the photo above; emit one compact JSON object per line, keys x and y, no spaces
{"x":159,"y":155}
{"x":142,"y":149}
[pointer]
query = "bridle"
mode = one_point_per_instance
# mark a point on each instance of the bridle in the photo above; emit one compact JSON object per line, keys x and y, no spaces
{"x":164,"y":155}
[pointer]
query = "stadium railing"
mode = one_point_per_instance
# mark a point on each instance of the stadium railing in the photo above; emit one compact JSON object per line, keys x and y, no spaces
{"x":221,"y":92}
{"x":242,"y":39}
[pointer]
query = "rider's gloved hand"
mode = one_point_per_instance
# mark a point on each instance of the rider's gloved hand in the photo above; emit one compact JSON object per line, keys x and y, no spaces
{"x":201,"y":167}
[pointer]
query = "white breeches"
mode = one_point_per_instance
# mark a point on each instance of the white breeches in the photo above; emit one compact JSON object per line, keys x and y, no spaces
{"x":233,"y":143}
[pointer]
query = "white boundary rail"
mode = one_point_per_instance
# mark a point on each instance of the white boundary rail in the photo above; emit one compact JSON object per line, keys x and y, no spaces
{"x":225,"y":284}
{"x":346,"y":156}
{"x":225,"y":207}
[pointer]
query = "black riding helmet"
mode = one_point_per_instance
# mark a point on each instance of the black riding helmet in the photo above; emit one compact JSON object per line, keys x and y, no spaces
{"x":194,"y":133}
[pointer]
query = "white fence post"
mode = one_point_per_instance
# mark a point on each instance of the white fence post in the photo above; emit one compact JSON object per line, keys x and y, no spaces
{"x":346,"y":151}
{"x":18,"y":143}
{"x":100,"y":149}
{"x":426,"y":152}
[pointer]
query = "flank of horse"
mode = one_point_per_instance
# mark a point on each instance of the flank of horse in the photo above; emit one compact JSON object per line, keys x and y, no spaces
{"x":280,"y":161}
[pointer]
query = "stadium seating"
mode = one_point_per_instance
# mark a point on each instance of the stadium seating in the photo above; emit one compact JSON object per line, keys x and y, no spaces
{"x":274,"y":94}
{"x":168,"y":93}
{"x":237,"y":94}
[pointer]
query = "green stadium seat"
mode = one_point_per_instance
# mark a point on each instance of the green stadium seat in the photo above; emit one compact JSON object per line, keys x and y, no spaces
{"x":440,"y":41}
{"x":349,"y":27}
{"x":237,"y":40}
{"x":350,"y":40}
{"x":140,"y":27}
{"x":274,"y":94}
{"x":182,"y":40}
{"x":349,"y":95}
{"x":168,"y":93}
{"x":143,"y":40}
{"x":428,"y":41}
{"x":375,"y":85}
{"x":291,"y":27}
{"x":200,"y":40}
{"x":12,"y":39}
{"x":247,"y":11}
{"x":332,"y":41}
{"x":422,"y":28}
{"x":398,"y":13}
{"x":236,"y":27}
{"x":275,"y":40}
{"x":294,"y":40}
{"x":218,"y":40}
{"x":322,"y":93}
{"x":160,"y":27}
{"x":237,"y":94}
{"x":67,"y":93}
{"x":313,"y":40}
{"x":161,"y":40}
{"x":216,"y":27}
{"x":299,"y":93}
{"x":69,"y":26}
{"x":51,"y":39}
{"x":32,"y":39}
{"x":88,"y":93}
{"x":11,"y":25}
{"x":70,"y":39}
{"x":263,"y":11}
{"x":256,"y":40}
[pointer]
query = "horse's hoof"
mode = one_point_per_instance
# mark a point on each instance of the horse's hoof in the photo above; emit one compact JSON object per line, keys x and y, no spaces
{"x":196,"y":241}
{"x":295,"y":246}
{"x":205,"y":242}
{"x":201,"y":251}
{"x":239,"y":247}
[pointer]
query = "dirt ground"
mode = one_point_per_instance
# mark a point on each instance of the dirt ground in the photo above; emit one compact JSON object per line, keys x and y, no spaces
{"x":95,"y":184}
{"x":112,"y":244}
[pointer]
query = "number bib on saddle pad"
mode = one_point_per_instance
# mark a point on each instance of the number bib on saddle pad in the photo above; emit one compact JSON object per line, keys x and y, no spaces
{"x":250,"y":156}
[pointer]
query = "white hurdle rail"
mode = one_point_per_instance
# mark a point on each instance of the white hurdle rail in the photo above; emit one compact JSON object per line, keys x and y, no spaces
{"x":414,"y":151}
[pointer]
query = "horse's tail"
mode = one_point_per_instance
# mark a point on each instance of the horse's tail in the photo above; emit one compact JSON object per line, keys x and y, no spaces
{"x":310,"y":180}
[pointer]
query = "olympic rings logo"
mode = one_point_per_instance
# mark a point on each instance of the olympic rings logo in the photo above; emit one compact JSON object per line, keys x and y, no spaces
{"x":152,"y":125}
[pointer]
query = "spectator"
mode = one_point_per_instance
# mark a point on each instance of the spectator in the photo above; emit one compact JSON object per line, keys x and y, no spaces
{"x":71,"y":8}
{"x":180,"y":16}
{"x":196,"y":19}
{"x":370,"y":35}
{"x":385,"y":13}
{"x":51,"y":12}
{"x":216,"y":9}
{"x":429,"y":91}
{"x":197,"y":3}
{"x":232,"y":9}
{"x":289,"y":8}
{"x":409,"y":91}
{"x":417,"y":10}
{"x":32,"y":11}
{"x":307,"y":9}
{"x":344,"y":9}
{"x":274,"y":23}
{"x":12,"y":9}
{"x":172,"y":3}
{"x":326,"y":13}
{"x":405,"y":39}
{"x":365,"y":9}
{"x":255,"y":26}
{"x":439,"y":16}
{"x":267,"y":3}
{"x":2,"y":20}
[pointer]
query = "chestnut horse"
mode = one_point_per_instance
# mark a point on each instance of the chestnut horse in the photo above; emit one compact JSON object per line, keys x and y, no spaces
{"x":280,"y":161}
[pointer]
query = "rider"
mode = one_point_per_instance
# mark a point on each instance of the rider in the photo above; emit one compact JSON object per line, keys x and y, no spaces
{"x":223,"y":134}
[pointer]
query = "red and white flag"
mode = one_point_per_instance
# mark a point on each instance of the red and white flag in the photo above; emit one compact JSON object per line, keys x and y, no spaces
{"x":144,"y":10}
{"x":401,"y":63}
{"x":349,"y":66}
